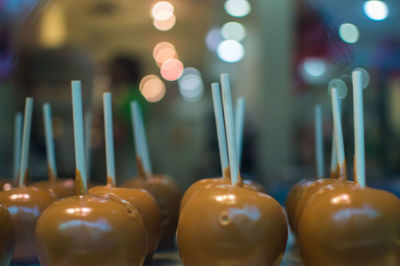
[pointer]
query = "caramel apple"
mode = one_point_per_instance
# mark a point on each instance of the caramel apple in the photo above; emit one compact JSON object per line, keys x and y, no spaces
{"x":142,"y":200}
{"x":25,"y":204}
{"x":166,"y":192}
{"x":161,"y":187}
{"x":230,"y":225}
{"x":351,"y":224}
{"x":223,"y":153}
{"x":346,"y":224}
{"x":87,"y":229}
{"x":6,"y":237}
{"x":61,"y":188}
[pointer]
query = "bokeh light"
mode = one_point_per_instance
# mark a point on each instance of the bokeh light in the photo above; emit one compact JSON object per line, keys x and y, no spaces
{"x":164,"y":51}
{"x":164,"y":55}
{"x":162,"y":10}
{"x":237,"y":8}
{"x":230,"y":51}
{"x":213,"y":38}
{"x":233,"y":31}
{"x":152,"y":88}
{"x":191,"y":85}
{"x":315,"y":67}
{"x":349,"y":33}
{"x":171,"y":69}
{"x":376,"y":10}
{"x":164,"y":25}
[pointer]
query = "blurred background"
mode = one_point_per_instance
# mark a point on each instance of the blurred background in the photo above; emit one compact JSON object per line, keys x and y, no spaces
{"x":281,"y":56}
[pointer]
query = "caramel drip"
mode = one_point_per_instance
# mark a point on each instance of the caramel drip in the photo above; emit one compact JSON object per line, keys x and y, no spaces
{"x":227,"y":173}
{"x":140,"y":169}
{"x":342,"y":171}
{"x":334,"y":174}
{"x":80,"y":184}
{"x":25,"y":179}
{"x":52,"y":176}
{"x":110,"y":181}
{"x":355,"y":171}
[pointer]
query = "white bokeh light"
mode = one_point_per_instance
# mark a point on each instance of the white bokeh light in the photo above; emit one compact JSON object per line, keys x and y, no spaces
{"x":376,"y":10}
{"x":349,"y":33}
{"x":191,"y":85}
{"x":314,"y":67}
{"x":230,"y":51}
{"x":237,"y":8}
{"x":233,"y":31}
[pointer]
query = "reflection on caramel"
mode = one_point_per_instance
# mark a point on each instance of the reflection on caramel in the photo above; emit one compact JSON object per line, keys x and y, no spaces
{"x":6,"y":237}
{"x":145,"y":204}
{"x":345,"y":224}
{"x":342,"y":171}
{"x":167,"y":195}
{"x":62,"y":188}
{"x":90,"y":230}
{"x":25,"y":205}
{"x":230,"y":225}
{"x":6,"y":184}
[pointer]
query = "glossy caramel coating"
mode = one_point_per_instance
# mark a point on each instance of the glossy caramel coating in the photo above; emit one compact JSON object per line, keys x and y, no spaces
{"x":344,"y":224}
{"x":145,"y":204}
{"x":250,"y":184}
{"x":6,"y":237}
{"x":168,"y":197}
{"x":25,"y":205}
{"x":230,"y":225}
{"x":200,"y":185}
{"x":293,"y":198}
{"x":91,"y":230}
{"x":62,"y":188}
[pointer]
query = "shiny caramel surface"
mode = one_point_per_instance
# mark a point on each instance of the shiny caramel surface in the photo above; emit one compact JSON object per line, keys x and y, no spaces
{"x":231,"y":225}
{"x":62,"y":188}
{"x":167,"y":195}
{"x":145,"y":204}
{"x":25,"y":205}
{"x":91,"y":230}
{"x":293,"y":198}
{"x":6,"y":237}
{"x":344,"y":224}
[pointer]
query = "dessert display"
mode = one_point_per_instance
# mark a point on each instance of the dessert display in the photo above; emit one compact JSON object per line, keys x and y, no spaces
{"x":89,"y":229}
{"x":161,"y":187}
{"x":62,"y":188}
{"x":350,"y":223}
{"x":25,"y":203}
{"x":227,"y":224}
{"x":142,"y":200}
{"x":6,"y":237}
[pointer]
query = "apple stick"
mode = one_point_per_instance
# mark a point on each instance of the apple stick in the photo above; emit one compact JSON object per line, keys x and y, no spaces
{"x":88,"y":138}
{"x":18,"y":121}
{"x":239,"y":125}
{"x":48,"y":133}
{"x":230,"y":129}
{"x":140,"y":137}
{"x":81,"y":178}
{"x":359,"y":128}
{"x":26,"y":137}
{"x":108,"y":128}
{"x":319,"y":145}
{"x":219,"y":122}
{"x":337,"y":127}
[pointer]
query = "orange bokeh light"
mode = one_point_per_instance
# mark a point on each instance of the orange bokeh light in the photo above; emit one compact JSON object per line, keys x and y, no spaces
{"x":160,"y":46}
{"x":152,"y":88}
{"x":171,"y":69}
{"x":165,"y":24}
{"x":164,"y":55}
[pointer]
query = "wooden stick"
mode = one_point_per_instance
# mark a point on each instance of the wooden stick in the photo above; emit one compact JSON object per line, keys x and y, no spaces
{"x":18,"y":122}
{"x":48,"y":133}
{"x":319,"y":145}
{"x":26,"y":137}
{"x":109,"y":138}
